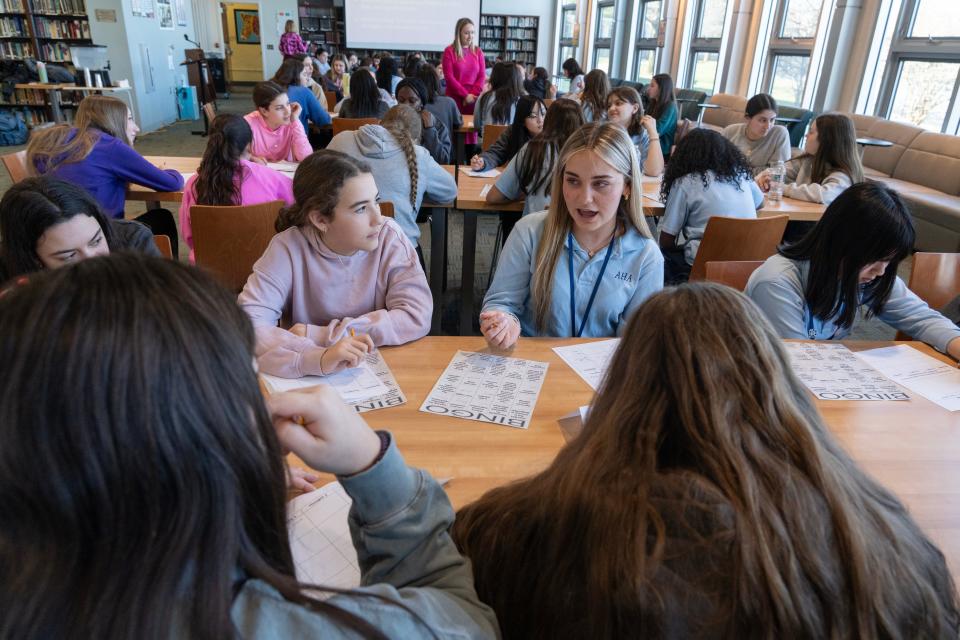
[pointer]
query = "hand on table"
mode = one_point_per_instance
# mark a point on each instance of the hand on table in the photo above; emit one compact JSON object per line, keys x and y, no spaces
{"x":300,"y":479}
{"x":346,"y":353}
{"x":499,"y":328}
{"x":476,"y":163}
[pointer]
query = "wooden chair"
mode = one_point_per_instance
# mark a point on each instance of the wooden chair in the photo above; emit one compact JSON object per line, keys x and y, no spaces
{"x":209,"y":111}
{"x":935,"y":278}
{"x":351,"y":124}
{"x":16,"y":164}
{"x":331,"y":97}
{"x":386,"y":209}
{"x":228,"y":240}
{"x":732,"y":273}
{"x":164,"y":246}
{"x":737,"y":239}
{"x":491,"y":132}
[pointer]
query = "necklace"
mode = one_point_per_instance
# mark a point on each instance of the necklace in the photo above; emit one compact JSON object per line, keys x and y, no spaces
{"x":592,"y":252}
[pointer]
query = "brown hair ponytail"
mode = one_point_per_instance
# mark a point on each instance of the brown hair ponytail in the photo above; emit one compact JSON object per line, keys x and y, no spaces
{"x":216,"y":184}
{"x":405,"y":126}
{"x":316,"y":186}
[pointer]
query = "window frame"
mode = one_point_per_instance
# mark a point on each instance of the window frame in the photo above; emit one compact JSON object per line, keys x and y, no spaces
{"x":603,"y":43}
{"x":704,"y":45}
{"x":778,"y":45}
{"x":566,"y":42}
{"x":646,"y":44}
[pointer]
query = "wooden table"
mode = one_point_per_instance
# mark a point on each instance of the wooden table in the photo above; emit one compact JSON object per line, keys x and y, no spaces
{"x":911,"y":447}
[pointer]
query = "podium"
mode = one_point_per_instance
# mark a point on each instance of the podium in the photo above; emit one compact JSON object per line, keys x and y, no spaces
{"x":199,"y":76}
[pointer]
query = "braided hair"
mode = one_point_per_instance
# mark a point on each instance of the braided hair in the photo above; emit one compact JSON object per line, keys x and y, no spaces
{"x":405,"y":126}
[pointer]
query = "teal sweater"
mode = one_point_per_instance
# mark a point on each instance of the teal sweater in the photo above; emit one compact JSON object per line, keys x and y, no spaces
{"x":667,"y":128}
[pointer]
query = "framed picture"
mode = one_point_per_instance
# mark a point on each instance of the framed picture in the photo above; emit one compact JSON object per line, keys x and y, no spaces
{"x":248,"y":26}
{"x":165,"y":11}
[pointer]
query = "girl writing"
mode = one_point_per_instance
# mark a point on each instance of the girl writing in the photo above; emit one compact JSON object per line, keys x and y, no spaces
{"x":527,"y":123}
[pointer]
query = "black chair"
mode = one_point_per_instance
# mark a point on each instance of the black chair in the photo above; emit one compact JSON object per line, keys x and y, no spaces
{"x":687,"y":101}
{"x":796,"y":129}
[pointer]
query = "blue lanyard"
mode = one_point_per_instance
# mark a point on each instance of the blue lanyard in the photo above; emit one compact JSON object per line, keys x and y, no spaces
{"x":596,"y":286}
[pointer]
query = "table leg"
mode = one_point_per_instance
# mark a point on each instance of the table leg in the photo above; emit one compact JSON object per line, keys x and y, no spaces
{"x":438,"y":260}
{"x":469,"y":264}
{"x":458,"y":158}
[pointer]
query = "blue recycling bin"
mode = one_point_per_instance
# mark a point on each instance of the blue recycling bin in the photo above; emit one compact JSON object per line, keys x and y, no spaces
{"x":187,"y":103}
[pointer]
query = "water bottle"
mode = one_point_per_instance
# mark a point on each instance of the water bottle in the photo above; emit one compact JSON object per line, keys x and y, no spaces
{"x":778,"y":171}
{"x":42,"y":72}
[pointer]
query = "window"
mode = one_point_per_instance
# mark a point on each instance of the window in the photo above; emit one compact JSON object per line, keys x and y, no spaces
{"x":645,"y":62}
{"x":916,"y":65}
{"x":791,"y":46}
{"x":705,"y":44}
{"x":604,"y":35}
{"x":569,"y":35}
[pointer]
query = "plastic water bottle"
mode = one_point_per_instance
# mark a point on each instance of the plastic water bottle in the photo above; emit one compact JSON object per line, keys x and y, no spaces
{"x":777,"y":173}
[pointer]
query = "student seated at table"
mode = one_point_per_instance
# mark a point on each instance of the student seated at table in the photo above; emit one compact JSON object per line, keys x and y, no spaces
{"x":816,"y":288}
{"x":527,"y":123}
{"x":345,"y":277}
{"x":307,"y":80}
{"x":47,"y":223}
{"x":97,"y":153}
{"x":388,"y":75}
{"x":498,"y":105}
{"x":436,"y":138}
{"x":143,"y":477}
{"x":290,"y":76}
{"x":365,"y":100}
{"x":337,"y":79}
{"x":593,"y":98}
{"x":704,"y":498}
{"x":707,"y":176}
{"x":663,"y":109}
{"x":277,"y":133}
{"x":538,"y":84}
{"x":227,"y":176}
{"x":830,"y":163}
{"x":625,"y":108}
{"x":530,"y":172}
{"x":760,"y":139}
{"x":404,"y":171}
{"x":583,"y":266}
{"x":441,"y":106}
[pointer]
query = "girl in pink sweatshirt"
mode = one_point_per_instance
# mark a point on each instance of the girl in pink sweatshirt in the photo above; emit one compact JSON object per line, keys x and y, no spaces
{"x":346,"y":278}
{"x":226,"y":175}
{"x":278,"y":134}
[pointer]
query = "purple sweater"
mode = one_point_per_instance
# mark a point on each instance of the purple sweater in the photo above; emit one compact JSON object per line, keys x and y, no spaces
{"x":382,"y":293}
{"x":108,"y":169}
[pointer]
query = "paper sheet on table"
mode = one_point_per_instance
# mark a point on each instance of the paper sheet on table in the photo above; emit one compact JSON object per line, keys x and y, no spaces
{"x":933,"y":379}
{"x":572,"y":424}
{"x":589,"y":360}
{"x":833,"y":372}
{"x":320,"y":540}
{"x":487,"y":388}
{"x":655,"y":198}
{"x":360,"y":384}
{"x":284,"y":166}
{"x":489,"y":173}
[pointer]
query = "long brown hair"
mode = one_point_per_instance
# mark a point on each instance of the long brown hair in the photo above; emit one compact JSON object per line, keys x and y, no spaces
{"x":316,"y":186}
{"x":659,"y":104}
{"x":596,"y":86}
{"x":96,"y":115}
{"x":406,"y":127}
{"x":836,"y":148}
{"x":704,"y":497}
{"x":613,"y":145}
{"x":630,"y":96}
{"x":563,"y":118}
{"x":217,"y":182}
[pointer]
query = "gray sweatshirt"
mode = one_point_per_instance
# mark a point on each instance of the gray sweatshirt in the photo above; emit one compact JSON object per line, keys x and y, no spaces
{"x":770,"y":148}
{"x":378,"y":147}
{"x":446,"y":110}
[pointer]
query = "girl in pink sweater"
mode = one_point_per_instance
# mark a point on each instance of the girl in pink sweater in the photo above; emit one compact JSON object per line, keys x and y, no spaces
{"x":227,"y":176}
{"x":278,"y":134}
{"x":346,"y":278}
{"x":464,"y":68}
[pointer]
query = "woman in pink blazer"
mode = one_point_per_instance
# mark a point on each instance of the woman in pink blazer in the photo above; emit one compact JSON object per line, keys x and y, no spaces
{"x":464,"y":69}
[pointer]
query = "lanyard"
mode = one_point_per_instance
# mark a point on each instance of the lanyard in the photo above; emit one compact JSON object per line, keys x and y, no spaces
{"x":596,"y":286}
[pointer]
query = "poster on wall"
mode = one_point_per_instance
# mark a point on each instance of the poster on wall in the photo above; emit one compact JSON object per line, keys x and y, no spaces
{"x":165,"y":12}
{"x":248,"y":26}
{"x":143,"y":9}
{"x":181,"y":11}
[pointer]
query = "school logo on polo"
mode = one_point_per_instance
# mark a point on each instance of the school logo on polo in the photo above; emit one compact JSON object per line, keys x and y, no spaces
{"x":625,"y":276}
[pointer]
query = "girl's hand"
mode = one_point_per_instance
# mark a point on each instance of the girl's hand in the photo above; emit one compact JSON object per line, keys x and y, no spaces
{"x":650,"y":124}
{"x":300,"y":479}
{"x":763,"y":181}
{"x":327,"y":434}
{"x":500,"y":329}
{"x":347,"y":353}
{"x":469,"y":99}
{"x":258,"y":160}
{"x":427,"y":118}
{"x":476,"y":163}
{"x":295,"y":110}
{"x":299,"y":329}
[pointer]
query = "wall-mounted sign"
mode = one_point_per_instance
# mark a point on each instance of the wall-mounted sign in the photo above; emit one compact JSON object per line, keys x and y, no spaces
{"x":105,"y":15}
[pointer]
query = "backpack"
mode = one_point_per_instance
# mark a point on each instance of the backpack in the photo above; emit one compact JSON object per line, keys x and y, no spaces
{"x":13,"y":130}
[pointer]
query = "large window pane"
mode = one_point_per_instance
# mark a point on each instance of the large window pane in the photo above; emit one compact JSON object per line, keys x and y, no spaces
{"x":569,"y":19}
{"x":601,"y":59}
{"x":650,"y":20}
{"x":923,"y":92}
{"x":643,"y":70}
{"x":800,"y":18}
{"x":937,"y":18}
{"x":704,"y":70}
{"x":605,"y":23}
{"x":711,"y":19}
{"x":789,"y":79}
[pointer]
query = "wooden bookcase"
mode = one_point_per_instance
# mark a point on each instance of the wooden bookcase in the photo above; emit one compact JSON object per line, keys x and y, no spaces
{"x":322,"y":24}
{"x":512,"y":38}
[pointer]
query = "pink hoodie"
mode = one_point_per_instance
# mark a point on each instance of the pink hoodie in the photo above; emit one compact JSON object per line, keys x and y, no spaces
{"x":382,"y":293}
{"x":287,"y":142}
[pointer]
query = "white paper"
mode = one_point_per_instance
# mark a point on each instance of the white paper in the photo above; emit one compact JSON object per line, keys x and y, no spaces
{"x":589,"y":360}
{"x":489,"y":173}
{"x":655,"y":198}
{"x":323,"y":552}
{"x":833,"y":372}
{"x":933,"y":379}
{"x":392,"y":398}
{"x":487,"y":388}
{"x":284,"y":166}
{"x":485,"y":190}
{"x":359,"y":384}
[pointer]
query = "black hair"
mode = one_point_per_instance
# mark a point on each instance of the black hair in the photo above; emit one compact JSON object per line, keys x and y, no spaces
{"x":412,"y":63}
{"x":866,"y":223}
{"x":416,"y":86}
{"x":266,"y":92}
{"x":364,"y":96}
{"x":385,"y":72}
{"x":505,"y":89}
{"x":563,"y":119}
{"x":32,"y":206}
{"x":289,"y":72}
{"x":427,"y":74}
{"x":760,"y":102}
{"x":217,"y":182}
{"x":659,"y":104}
{"x":572,"y":67}
{"x":703,"y":150}
{"x":518,"y":134}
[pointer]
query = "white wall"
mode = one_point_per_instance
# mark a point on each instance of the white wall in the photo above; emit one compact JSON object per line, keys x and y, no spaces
{"x":272,"y":58}
{"x":545,"y":9}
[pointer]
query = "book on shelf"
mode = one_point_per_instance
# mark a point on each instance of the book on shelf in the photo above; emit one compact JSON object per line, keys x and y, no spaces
{"x":68,"y":7}
{"x":16,"y":50}
{"x":13,"y":27}
{"x":62,"y":29}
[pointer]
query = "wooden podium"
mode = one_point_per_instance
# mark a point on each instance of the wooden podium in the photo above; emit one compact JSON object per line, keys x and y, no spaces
{"x":199,"y":76}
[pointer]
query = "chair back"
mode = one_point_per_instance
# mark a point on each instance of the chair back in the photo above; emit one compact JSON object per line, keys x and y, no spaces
{"x":209,"y":111}
{"x":351,"y":124}
{"x":935,"y":279}
{"x":491,"y":132}
{"x":386,"y":209}
{"x":228,"y":240}
{"x":164,"y":246}
{"x":331,"y":97}
{"x":16,"y":164}
{"x":737,"y":239}
{"x":732,"y":273}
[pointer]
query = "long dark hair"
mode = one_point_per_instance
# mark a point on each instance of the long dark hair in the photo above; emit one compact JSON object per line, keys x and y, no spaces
{"x":659,"y":104}
{"x":563,"y":118}
{"x":519,"y":135}
{"x":505,"y":89}
{"x":866,"y":223}
{"x":760,"y":102}
{"x":572,"y":68}
{"x":140,"y":474}
{"x":32,"y":206}
{"x":364,"y":95}
{"x":596,"y":86}
{"x":289,"y":72}
{"x":217,"y":182}
{"x":316,"y":186}
{"x":704,"y":497}
{"x":837,"y":148}
{"x":385,"y":72}
{"x":701,"y":151}
{"x":427,"y":73}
